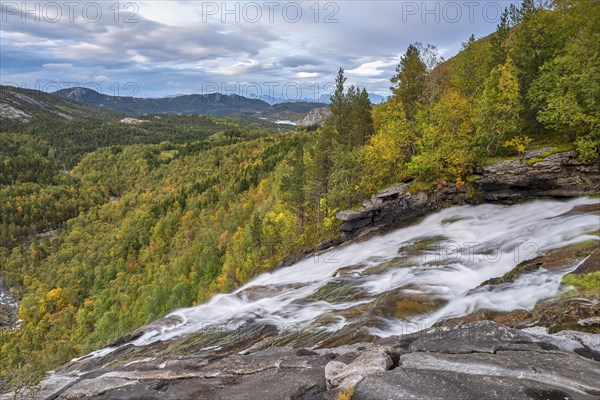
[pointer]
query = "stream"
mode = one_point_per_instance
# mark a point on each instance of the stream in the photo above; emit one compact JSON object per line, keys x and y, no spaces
{"x":8,"y":308}
{"x":405,"y":280}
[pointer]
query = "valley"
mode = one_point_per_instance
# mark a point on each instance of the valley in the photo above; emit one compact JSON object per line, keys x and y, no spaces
{"x":440,"y":242}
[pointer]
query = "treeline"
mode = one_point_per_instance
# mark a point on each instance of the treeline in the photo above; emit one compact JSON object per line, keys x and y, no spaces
{"x":535,"y":82}
{"x":70,"y":140}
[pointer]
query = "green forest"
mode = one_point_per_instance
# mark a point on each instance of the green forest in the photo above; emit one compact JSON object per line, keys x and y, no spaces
{"x":165,"y":214}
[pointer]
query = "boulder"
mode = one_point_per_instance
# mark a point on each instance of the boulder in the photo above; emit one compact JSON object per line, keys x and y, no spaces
{"x":371,"y":362}
{"x":332,"y":369}
{"x":420,"y":384}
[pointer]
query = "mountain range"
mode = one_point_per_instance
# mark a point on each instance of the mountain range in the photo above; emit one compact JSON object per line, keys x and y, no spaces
{"x":212,"y":104}
{"x":19,"y":105}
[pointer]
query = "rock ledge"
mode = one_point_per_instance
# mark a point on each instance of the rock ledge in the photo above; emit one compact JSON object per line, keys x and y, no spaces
{"x":481,"y":360}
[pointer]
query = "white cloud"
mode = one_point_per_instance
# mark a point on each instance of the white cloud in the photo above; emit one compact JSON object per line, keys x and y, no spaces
{"x":238,"y":68}
{"x":370,"y":68}
{"x":172,"y":43}
{"x":303,"y":75}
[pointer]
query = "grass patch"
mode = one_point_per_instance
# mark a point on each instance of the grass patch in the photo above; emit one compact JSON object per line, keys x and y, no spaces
{"x":419,"y":186}
{"x":492,"y":160}
{"x":560,"y":149}
{"x":451,"y":220}
{"x":584,"y":285}
{"x":473,"y":178}
{"x":167,"y":155}
{"x":346,"y":394}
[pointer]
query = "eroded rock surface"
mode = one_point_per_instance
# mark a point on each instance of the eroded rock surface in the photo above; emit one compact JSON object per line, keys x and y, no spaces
{"x":559,"y":174}
{"x":481,"y":360}
{"x":506,"y":181}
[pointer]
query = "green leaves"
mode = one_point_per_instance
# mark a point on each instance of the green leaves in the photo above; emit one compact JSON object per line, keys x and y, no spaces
{"x":567,"y":90}
{"x":498,"y":109}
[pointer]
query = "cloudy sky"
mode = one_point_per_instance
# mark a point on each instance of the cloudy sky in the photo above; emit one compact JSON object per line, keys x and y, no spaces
{"x":281,"y":48}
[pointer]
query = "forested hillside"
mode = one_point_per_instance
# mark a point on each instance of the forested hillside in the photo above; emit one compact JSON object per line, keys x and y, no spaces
{"x":18,"y":106}
{"x":212,"y":104}
{"x":202,"y":204}
{"x":37,"y":190}
{"x":36,"y":194}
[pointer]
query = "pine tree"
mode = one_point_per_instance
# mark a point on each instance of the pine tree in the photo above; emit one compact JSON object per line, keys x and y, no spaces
{"x":292,"y":186}
{"x":362,"y":122}
{"x":349,"y":137}
{"x":498,"y":40}
{"x":339,"y":106}
{"x":409,"y":81}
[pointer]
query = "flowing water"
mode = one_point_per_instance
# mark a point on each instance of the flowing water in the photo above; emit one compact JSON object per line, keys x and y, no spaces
{"x":408,"y":279}
{"x":8,"y":308}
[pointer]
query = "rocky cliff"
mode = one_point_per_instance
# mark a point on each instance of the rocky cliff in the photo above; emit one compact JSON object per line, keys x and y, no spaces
{"x":481,"y":360}
{"x":314,"y":117}
{"x":507,"y":181}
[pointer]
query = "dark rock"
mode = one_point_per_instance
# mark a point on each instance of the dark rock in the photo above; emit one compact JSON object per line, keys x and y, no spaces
{"x":591,"y":264}
{"x":482,"y":360}
{"x":368,"y":363}
{"x":392,"y":191}
{"x":481,"y":337}
{"x":485,"y":360}
{"x":355,"y":224}
{"x":515,"y":318}
{"x":559,"y":174}
{"x":506,"y":181}
{"x":349,"y":215}
{"x":417,"y":384}
{"x":553,"y":259}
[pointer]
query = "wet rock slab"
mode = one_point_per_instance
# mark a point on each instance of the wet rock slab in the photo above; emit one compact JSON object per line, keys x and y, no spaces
{"x":481,"y":360}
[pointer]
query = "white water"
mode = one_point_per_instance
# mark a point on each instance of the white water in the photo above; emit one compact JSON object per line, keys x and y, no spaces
{"x":479,"y":243}
{"x":285,"y":122}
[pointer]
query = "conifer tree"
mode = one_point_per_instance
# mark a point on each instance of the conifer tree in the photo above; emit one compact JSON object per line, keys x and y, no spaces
{"x":339,"y":106}
{"x":409,"y":82}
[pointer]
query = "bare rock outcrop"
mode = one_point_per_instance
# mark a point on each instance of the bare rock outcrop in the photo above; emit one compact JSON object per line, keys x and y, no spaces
{"x":559,"y":174}
{"x":314,"y":117}
{"x":506,"y":181}
{"x":481,"y":360}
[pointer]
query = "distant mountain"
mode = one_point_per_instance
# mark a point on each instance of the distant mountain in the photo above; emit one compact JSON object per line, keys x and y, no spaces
{"x":290,"y":111}
{"x":376,"y":99}
{"x":19,"y":105}
{"x":278,"y":100}
{"x":212,"y":104}
{"x":22,"y":105}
